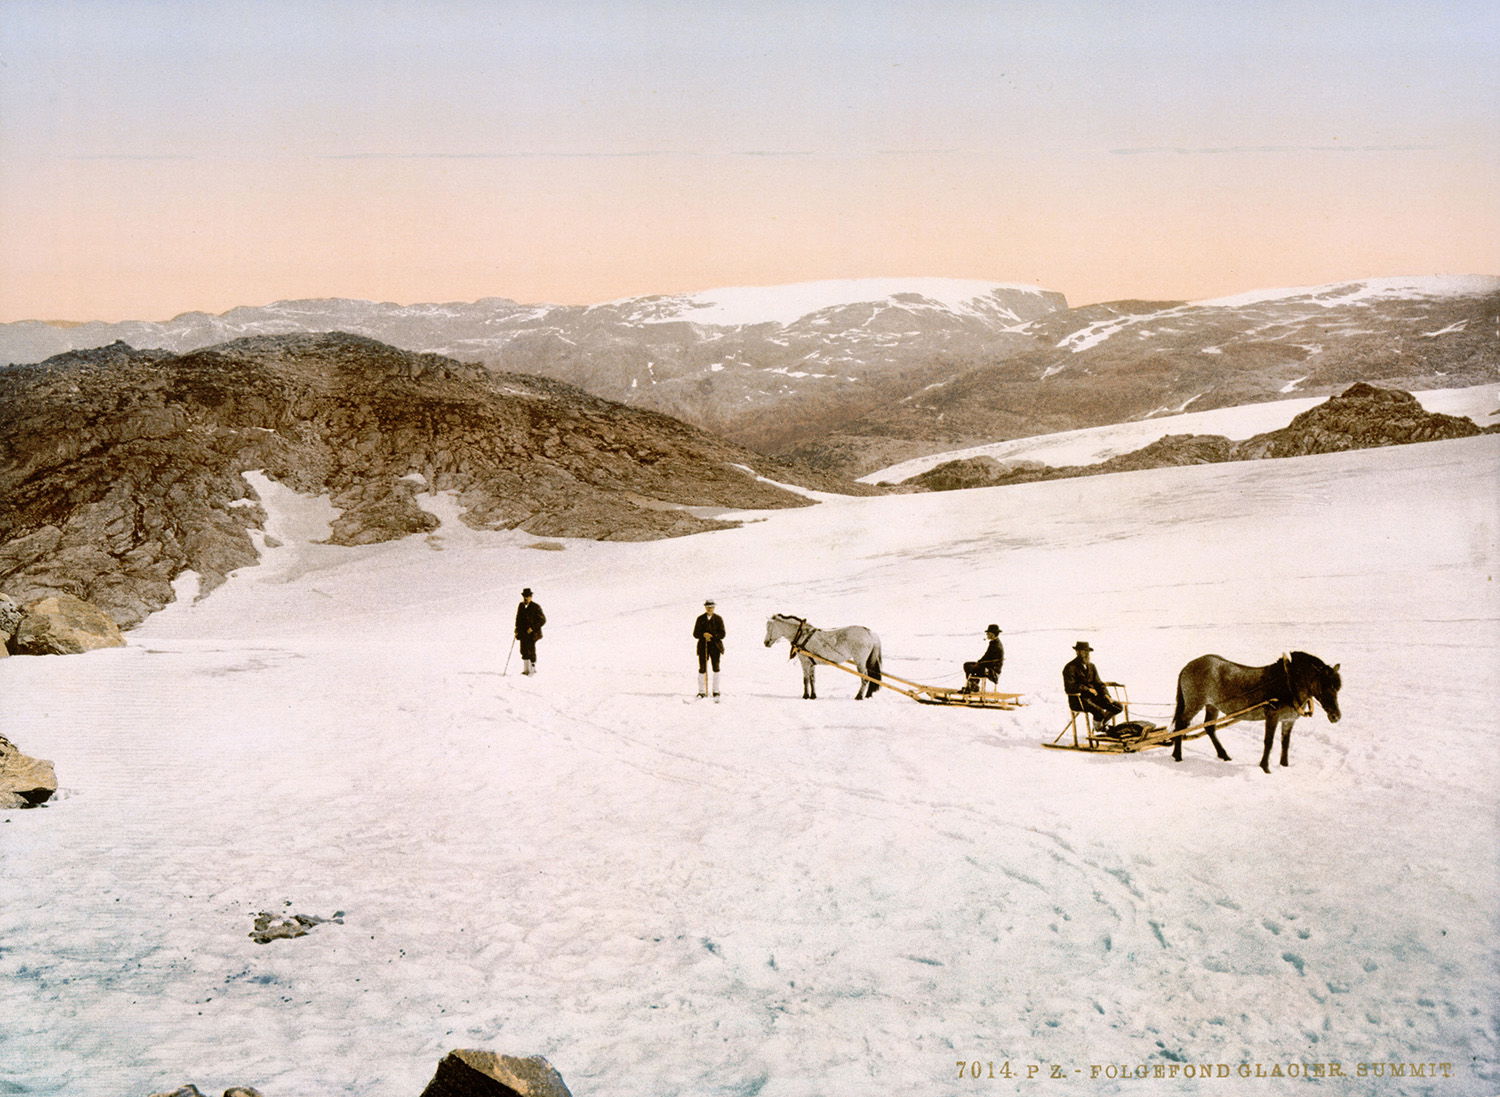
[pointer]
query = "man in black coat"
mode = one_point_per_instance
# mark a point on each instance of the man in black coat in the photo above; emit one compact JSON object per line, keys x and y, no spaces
{"x":1086,"y":692}
{"x":708,"y":630}
{"x":529,"y":622}
{"x":987,"y":665}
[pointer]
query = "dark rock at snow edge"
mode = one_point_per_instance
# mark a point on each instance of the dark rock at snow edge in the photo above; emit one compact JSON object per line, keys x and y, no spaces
{"x":462,"y":1072}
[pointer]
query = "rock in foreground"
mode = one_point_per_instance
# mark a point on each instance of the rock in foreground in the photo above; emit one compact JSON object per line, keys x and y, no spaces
{"x":25,"y":781}
{"x":467,"y":1073}
{"x":64,"y":625}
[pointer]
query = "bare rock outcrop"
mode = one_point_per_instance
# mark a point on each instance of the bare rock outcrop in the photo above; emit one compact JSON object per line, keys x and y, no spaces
{"x":61,"y":624}
{"x":468,"y":1073}
{"x":10,"y":622}
{"x":25,"y":781}
{"x":120,"y":468}
{"x":1361,"y":417}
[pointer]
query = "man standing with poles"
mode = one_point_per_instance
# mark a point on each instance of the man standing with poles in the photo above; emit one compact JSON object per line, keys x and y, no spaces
{"x":708,"y":630}
{"x":529,"y":622}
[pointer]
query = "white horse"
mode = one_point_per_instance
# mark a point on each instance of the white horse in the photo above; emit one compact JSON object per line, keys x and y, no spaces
{"x":851,"y":644}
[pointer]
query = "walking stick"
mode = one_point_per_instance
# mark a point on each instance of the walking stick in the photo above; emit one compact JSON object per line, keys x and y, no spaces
{"x":508,"y":654}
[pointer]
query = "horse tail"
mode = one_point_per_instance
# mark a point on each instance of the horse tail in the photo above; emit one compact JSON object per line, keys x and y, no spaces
{"x":1179,"y":714}
{"x":872,"y":668}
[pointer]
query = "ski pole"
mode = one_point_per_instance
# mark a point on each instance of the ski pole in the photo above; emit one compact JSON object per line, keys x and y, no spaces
{"x":508,"y":654}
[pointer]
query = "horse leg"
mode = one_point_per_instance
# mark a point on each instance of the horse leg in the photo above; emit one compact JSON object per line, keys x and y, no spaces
{"x":1265,"y":754}
{"x":1286,"y":741}
{"x":1178,"y":723}
{"x":1180,"y":719}
{"x":809,"y":681}
{"x":1210,"y":714}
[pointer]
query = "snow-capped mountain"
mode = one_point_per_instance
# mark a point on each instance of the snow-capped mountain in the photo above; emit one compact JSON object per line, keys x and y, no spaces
{"x":816,"y":302}
{"x":1129,"y":360}
{"x":858,"y":374}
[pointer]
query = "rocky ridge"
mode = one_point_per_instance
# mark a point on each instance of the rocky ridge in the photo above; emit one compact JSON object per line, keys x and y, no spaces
{"x":719,"y":359}
{"x":1361,"y":417}
{"x":121,"y":468}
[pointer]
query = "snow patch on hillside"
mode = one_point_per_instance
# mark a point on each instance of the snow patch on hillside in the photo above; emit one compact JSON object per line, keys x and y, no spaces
{"x":1369,"y":289}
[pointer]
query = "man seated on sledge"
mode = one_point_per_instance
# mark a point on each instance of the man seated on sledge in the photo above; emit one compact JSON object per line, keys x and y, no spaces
{"x":987,"y":666}
{"x":1086,"y":692}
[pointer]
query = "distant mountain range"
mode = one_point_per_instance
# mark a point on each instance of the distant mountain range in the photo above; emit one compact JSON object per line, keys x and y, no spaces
{"x":855,"y":375}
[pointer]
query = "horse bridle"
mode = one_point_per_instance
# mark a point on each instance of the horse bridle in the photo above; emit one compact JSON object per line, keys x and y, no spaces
{"x":800,"y":635}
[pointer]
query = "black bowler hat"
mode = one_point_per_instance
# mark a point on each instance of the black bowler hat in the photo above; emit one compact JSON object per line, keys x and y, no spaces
{"x":992,"y":629}
{"x":525,"y":592}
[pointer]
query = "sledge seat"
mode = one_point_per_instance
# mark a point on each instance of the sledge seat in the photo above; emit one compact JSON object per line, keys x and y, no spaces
{"x":1093,"y":729}
{"x":982,"y":683}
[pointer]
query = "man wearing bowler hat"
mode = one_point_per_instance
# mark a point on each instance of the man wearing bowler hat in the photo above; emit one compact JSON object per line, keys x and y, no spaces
{"x":708,"y":630}
{"x":529,"y":622}
{"x":1086,"y":692}
{"x":987,"y":665}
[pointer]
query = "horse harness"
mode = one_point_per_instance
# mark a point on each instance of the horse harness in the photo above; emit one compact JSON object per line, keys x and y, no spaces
{"x":1303,"y":706}
{"x":804,"y":632}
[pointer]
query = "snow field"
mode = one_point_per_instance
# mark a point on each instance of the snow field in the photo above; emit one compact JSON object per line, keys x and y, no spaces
{"x":771,"y":896}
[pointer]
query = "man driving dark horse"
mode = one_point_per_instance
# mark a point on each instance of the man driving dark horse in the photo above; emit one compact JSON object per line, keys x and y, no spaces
{"x":1086,"y":692}
{"x":988,"y":665}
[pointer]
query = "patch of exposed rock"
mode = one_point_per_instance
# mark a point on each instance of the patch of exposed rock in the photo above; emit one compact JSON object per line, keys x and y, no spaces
{"x":468,"y":1073}
{"x":1362,"y":417}
{"x":120,"y":468}
{"x":25,"y":781}
{"x":280,"y":927}
{"x":61,"y":624}
{"x":10,"y":622}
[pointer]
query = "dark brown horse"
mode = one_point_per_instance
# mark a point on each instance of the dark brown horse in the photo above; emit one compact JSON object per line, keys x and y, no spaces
{"x":1282,"y":691}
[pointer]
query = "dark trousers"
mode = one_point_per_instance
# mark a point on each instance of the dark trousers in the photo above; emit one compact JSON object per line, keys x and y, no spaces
{"x":1098,"y":705}
{"x":528,"y":648}
{"x":976,"y":669}
{"x":708,"y":653}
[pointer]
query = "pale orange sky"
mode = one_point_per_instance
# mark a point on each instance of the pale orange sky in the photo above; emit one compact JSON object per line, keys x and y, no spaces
{"x":161,"y":156}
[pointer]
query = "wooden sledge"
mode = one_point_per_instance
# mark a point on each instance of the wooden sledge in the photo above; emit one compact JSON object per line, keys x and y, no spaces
{"x":1098,"y":741}
{"x":928,"y":695}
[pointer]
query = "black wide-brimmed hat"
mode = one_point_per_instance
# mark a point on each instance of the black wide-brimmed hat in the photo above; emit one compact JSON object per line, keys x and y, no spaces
{"x":525,"y":592}
{"x":992,"y":628}
{"x":1082,"y":645}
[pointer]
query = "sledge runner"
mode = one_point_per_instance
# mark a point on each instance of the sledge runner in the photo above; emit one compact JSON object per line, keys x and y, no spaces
{"x":529,"y":622}
{"x":708,"y":630}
